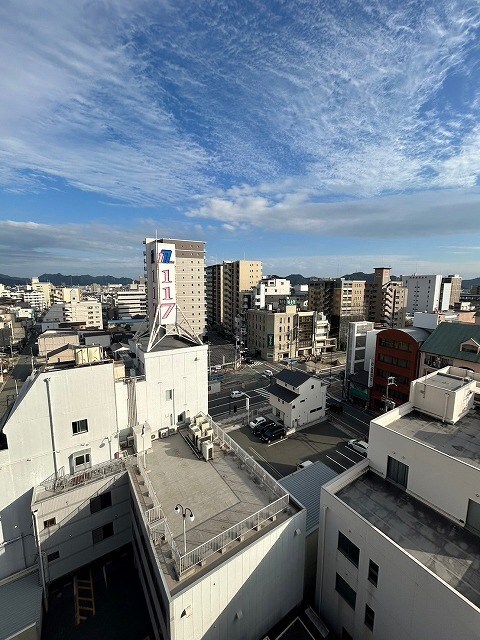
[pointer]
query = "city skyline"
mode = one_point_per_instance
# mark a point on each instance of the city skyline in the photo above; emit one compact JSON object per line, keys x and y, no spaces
{"x":320,"y":140}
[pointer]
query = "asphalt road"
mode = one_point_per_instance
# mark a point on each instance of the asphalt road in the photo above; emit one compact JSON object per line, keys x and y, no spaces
{"x":20,"y":372}
{"x":322,"y":441}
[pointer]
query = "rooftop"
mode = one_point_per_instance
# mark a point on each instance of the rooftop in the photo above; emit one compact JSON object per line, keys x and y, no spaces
{"x":222,"y":493}
{"x":293,"y":377}
{"x":447,"y":338}
{"x":284,"y":394}
{"x":167,"y":343}
{"x":450,"y":552}
{"x":460,"y":440}
{"x":447,"y":381}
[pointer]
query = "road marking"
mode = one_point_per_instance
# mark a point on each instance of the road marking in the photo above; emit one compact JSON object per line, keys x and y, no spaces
{"x":342,"y":454}
{"x":262,"y":392}
{"x":338,"y":463}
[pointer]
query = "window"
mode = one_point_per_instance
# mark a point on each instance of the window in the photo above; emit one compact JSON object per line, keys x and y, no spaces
{"x":49,"y":523}
{"x":102,"y":533}
{"x":168,"y":394}
{"x":397,"y":472}
{"x":100,"y":502}
{"x":345,"y":590}
{"x":79,"y":426}
{"x":345,"y":546}
{"x":81,"y":461}
{"x":369,"y":617}
{"x":373,"y":573}
{"x":53,"y":556}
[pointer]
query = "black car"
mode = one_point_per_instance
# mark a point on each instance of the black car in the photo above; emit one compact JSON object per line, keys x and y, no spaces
{"x":335,"y":407}
{"x":259,"y":429}
{"x":276,"y":432}
{"x":249,"y":361}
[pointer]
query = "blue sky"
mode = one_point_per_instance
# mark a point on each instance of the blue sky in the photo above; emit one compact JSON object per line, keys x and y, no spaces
{"x":318,"y":137}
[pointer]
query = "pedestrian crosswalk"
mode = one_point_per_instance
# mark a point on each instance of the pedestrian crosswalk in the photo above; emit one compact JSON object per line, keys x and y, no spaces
{"x":262,"y":392}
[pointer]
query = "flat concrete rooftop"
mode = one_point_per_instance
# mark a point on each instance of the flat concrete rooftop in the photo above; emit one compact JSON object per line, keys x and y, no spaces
{"x":220,"y":493}
{"x":449,"y":551}
{"x":169,"y":342}
{"x":447,"y":382}
{"x":460,"y":440}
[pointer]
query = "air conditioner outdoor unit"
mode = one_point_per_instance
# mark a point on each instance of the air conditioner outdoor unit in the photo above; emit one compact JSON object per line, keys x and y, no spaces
{"x":130,"y":441}
{"x":154,"y":436}
{"x":163,"y":433}
{"x":207,"y":450}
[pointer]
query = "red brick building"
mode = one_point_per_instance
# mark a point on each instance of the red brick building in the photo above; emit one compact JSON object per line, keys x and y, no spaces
{"x":397,"y":358}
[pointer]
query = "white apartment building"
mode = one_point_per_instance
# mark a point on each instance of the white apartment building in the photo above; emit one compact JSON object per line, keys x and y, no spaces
{"x":356,"y":342}
{"x":131,"y":302}
{"x":425,"y":293}
{"x":399,"y":542}
{"x":71,"y":419}
{"x":297,"y":398}
{"x":86,"y":314}
{"x":269,"y":291}
{"x":35,"y":299}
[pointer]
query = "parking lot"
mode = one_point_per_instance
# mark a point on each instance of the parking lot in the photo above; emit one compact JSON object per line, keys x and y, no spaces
{"x":321,"y":441}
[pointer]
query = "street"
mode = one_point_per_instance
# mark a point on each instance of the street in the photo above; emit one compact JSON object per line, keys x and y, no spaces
{"x":19,"y":373}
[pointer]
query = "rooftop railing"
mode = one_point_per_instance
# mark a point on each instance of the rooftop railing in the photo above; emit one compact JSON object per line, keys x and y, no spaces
{"x":64,"y":482}
{"x":160,"y":532}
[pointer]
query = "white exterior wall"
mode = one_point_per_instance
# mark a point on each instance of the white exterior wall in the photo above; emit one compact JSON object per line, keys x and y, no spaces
{"x":273,"y":287}
{"x":423,"y":293}
{"x":183,"y":371}
{"x":428,"y":470}
{"x":263,"y":582}
{"x":409,"y":601}
{"x":309,"y":406}
{"x":370,"y":347}
{"x":71,"y":536}
{"x":76,"y":393}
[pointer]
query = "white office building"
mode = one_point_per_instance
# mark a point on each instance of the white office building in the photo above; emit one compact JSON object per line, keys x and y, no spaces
{"x":399,"y":542}
{"x":268,"y":292}
{"x":86,"y":315}
{"x":425,"y":293}
{"x":132,"y":302}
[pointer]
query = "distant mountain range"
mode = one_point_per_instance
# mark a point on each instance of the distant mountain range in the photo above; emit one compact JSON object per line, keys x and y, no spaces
{"x":58,"y":279}
{"x":297,"y":278}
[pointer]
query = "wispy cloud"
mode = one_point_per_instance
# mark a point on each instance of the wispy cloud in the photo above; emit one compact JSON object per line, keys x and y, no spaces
{"x":150,"y":103}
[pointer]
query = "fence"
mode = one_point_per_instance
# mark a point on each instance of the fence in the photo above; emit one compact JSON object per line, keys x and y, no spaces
{"x":157,"y":525}
{"x":63,"y":482}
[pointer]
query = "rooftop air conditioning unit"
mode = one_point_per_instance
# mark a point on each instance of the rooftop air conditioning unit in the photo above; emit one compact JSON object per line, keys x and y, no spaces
{"x":154,"y":435}
{"x":207,"y":450}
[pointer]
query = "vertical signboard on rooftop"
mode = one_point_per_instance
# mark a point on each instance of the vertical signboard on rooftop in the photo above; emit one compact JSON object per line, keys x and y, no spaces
{"x":167,"y":295}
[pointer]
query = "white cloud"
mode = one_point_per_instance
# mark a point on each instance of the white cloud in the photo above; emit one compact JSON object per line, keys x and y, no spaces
{"x":161,"y":102}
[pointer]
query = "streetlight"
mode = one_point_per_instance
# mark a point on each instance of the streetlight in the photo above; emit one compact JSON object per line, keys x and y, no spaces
{"x":390,"y":383}
{"x":183,"y":510}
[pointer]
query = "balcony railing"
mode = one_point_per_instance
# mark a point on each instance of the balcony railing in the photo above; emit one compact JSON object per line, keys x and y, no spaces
{"x":64,"y":482}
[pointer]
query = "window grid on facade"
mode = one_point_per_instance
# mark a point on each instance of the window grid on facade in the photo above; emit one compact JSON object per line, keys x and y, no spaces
{"x":79,"y":426}
{"x":100,"y":502}
{"x":49,"y":523}
{"x":348,"y":549}
{"x":373,"y":572}
{"x":102,"y":533}
{"x":345,"y":590}
{"x":369,"y":617}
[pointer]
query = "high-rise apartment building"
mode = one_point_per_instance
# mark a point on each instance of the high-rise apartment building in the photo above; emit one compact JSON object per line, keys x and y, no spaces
{"x":320,"y":296}
{"x":348,"y":305}
{"x":187,"y":290}
{"x":214,"y":293}
{"x":424,"y":293}
{"x":230,"y":293}
{"x":385,"y":300}
{"x":452,"y":287}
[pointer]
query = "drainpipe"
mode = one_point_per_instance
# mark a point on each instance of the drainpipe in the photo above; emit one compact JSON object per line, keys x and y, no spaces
{"x":40,"y":560}
{"x":322,"y":556}
{"x":447,"y":396}
{"x":52,"y":430}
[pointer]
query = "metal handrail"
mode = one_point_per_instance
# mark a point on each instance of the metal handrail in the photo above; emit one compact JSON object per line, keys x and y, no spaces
{"x":101,"y":470}
{"x":157,"y":524}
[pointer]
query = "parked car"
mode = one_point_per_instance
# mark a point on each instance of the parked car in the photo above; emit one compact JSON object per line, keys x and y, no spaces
{"x":360,"y":446}
{"x":334,"y":406}
{"x":276,"y":432}
{"x":257,"y":431}
{"x":249,"y":361}
{"x":256,"y":422}
{"x":268,"y":373}
{"x":236,"y":394}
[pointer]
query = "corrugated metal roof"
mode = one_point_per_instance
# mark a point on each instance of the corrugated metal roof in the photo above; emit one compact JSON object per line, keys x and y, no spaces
{"x":447,"y":338}
{"x":20,"y":604}
{"x":305,"y":485}
{"x":282,"y":393}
